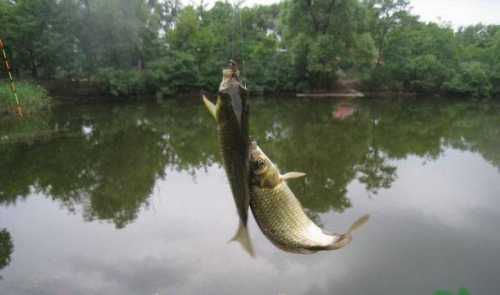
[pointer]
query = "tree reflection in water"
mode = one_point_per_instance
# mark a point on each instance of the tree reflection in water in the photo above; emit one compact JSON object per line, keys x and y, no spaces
{"x":109,"y":158}
{"x":6,"y":249}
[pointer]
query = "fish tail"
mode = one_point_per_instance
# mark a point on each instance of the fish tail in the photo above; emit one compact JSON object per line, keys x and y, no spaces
{"x":243,"y":238}
{"x":359,"y":223}
{"x":342,"y":241}
{"x":345,"y":239}
{"x":210,"y":106}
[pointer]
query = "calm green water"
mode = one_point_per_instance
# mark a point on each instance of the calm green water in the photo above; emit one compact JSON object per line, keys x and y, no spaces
{"x":132,"y":199}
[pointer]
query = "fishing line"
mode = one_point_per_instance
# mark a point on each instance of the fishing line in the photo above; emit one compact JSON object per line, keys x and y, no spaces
{"x":11,"y":79}
{"x":237,"y":37}
{"x":241,"y":41}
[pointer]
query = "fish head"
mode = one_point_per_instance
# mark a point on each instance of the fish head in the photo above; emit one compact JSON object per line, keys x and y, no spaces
{"x":259,"y":162}
{"x":230,"y":80}
{"x":230,"y":90}
{"x":262,"y":169}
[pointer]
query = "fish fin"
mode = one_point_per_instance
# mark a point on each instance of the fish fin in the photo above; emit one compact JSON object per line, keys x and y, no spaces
{"x":343,"y":240}
{"x":359,"y":223}
{"x":292,"y":175}
{"x":210,"y":107}
{"x":243,"y":238}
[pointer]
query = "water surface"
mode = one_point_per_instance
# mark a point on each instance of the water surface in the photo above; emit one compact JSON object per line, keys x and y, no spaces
{"x":132,"y":199}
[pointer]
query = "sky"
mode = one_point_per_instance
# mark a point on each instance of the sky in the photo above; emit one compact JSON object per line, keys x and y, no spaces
{"x":457,"y":12}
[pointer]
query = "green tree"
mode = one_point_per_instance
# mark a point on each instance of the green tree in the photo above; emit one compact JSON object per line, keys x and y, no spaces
{"x":135,"y":48}
{"x":470,"y":78}
{"x":384,"y":16}
{"x":320,"y":35}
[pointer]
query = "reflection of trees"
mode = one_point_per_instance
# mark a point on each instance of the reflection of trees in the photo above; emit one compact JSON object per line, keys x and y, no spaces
{"x":476,"y":128}
{"x":308,"y":139}
{"x":110,"y":160}
{"x":374,"y":171}
{"x":425,"y":128}
{"x":409,"y":128}
{"x":302,"y":136}
{"x":111,"y":167}
{"x":6,"y":248}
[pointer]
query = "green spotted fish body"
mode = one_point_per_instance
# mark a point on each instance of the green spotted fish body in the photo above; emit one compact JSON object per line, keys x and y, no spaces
{"x":280,"y":215}
{"x":231,"y":115}
{"x":282,"y":219}
{"x":234,"y":146}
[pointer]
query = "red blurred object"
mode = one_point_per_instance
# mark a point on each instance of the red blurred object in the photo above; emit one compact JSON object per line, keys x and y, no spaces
{"x":343,"y":111}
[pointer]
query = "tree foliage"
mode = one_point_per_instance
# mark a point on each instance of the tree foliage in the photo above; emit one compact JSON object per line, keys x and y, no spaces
{"x":160,"y":48}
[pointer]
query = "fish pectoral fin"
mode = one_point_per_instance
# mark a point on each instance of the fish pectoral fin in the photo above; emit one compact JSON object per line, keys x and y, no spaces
{"x":292,"y":175}
{"x":210,"y":106}
{"x":243,"y":238}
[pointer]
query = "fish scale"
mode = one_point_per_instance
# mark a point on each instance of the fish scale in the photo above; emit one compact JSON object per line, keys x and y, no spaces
{"x":281,"y":217}
{"x":232,"y":134}
{"x":234,"y":151}
{"x":276,"y":209}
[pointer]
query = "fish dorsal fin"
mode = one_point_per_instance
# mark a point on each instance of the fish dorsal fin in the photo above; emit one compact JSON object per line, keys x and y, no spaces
{"x":292,"y":175}
{"x":210,"y":107}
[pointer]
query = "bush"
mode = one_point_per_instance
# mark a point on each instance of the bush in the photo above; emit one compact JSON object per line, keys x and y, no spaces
{"x":384,"y":77}
{"x":495,"y":79}
{"x":122,"y":82}
{"x":32,"y":97}
{"x":430,"y":73}
{"x":174,"y":73}
{"x":470,"y":78}
{"x":166,"y":76}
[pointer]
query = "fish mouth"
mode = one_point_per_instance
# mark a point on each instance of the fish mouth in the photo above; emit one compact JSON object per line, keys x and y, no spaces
{"x":230,"y":80}
{"x":256,"y":158}
{"x":255,"y":152}
{"x":253,"y":144}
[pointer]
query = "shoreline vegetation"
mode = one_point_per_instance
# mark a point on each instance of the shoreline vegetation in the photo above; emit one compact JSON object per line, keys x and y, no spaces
{"x":158,"y":49}
{"x":33,"y":97}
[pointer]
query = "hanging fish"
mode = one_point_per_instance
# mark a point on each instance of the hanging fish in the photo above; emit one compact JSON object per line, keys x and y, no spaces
{"x":280,"y":215}
{"x":231,"y":115}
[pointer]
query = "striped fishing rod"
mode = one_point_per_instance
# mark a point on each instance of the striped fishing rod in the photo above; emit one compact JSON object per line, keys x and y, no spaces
{"x":19,"y":110}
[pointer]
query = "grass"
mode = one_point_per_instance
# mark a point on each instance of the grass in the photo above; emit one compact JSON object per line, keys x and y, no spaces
{"x":32,"y":97}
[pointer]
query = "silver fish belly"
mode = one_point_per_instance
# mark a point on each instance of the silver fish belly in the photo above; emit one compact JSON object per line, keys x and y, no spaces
{"x":282,"y":219}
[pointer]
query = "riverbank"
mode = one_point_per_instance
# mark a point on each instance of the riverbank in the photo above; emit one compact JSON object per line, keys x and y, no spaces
{"x":67,"y":91}
{"x":40,"y":94}
{"x":32,"y":97}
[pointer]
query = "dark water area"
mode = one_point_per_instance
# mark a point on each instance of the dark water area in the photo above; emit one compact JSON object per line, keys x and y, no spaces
{"x":132,"y":199}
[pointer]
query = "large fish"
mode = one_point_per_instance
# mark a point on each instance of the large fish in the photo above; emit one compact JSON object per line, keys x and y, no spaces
{"x":280,"y":215}
{"x":231,"y":115}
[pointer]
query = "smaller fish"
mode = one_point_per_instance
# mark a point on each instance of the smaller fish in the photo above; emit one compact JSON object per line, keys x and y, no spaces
{"x":280,"y":215}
